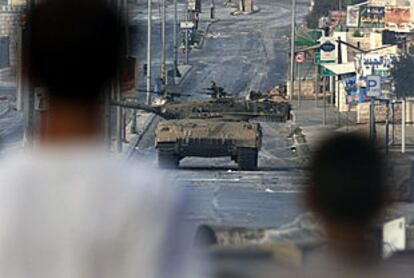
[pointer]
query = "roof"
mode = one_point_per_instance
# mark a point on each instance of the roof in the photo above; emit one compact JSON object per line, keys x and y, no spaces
{"x":340,"y":69}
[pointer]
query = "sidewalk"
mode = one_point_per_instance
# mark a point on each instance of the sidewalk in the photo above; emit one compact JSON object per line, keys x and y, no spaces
{"x":401,"y":166}
{"x":145,"y":119}
{"x":309,"y":118}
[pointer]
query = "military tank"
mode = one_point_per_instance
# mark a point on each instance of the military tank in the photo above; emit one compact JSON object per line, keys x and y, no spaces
{"x":176,"y":139}
{"x":213,"y":127}
{"x":225,"y":108}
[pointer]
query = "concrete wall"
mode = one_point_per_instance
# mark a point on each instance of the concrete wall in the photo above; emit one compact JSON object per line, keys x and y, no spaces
{"x":364,"y":43}
{"x":308,"y":88}
{"x":380,"y":112}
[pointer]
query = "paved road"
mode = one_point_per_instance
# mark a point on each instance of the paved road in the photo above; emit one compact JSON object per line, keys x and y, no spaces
{"x":220,"y":194}
{"x":11,"y":121}
{"x":240,"y":53}
{"x":244,"y":52}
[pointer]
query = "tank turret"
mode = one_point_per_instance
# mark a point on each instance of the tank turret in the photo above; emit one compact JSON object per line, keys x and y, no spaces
{"x":227,"y":108}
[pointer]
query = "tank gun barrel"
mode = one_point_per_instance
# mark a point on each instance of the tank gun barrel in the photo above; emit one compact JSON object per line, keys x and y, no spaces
{"x":137,"y":105}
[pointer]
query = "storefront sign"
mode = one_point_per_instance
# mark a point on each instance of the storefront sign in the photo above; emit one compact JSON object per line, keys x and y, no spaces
{"x":397,"y":18}
{"x":351,"y":89}
{"x":328,"y":52}
{"x":375,"y":64}
{"x":352,"y":16}
{"x":372,"y":17}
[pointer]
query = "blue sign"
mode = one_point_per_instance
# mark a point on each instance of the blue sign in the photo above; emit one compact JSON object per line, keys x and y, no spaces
{"x":374,"y":86}
{"x":328,"y":47}
{"x":351,"y":89}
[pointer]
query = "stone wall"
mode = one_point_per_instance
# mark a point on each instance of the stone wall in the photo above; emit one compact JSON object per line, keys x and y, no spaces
{"x":380,"y":112}
{"x":308,"y":88}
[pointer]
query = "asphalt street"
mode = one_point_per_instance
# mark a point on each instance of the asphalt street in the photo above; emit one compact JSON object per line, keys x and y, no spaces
{"x":11,"y":121}
{"x":239,"y":53}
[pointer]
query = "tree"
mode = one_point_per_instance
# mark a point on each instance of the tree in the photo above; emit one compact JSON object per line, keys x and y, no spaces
{"x":322,"y":8}
{"x":403,"y":75}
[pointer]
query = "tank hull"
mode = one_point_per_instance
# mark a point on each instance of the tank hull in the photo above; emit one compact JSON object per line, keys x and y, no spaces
{"x":200,"y":138}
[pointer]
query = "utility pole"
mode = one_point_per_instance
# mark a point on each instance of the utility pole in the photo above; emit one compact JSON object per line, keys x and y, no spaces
{"x":299,"y":84}
{"x":175,"y":54}
{"x":403,"y":126}
{"x":186,"y":47}
{"x":338,"y":100}
{"x":116,"y":86}
{"x":163,"y":52}
{"x":331,"y":89}
{"x":393,"y":122}
{"x":19,"y":70}
{"x":387,"y":126}
{"x":186,"y":36}
{"x":149,"y":53}
{"x":324,"y":102}
{"x":27,"y":88}
{"x":372,"y":130}
{"x":317,"y":84}
{"x":292,"y":51}
{"x":107,"y":116}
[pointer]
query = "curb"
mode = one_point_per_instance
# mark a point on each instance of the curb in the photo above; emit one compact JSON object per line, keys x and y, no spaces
{"x":205,"y":33}
{"x":138,"y":137}
{"x":4,"y":109}
{"x":184,"y":76}
{"x":135,"y":141}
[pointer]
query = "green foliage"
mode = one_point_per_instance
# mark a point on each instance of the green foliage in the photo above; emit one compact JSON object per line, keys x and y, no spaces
{"x":321,"y":8}
{"x":403,"y":74}
{"x":357,"y":34}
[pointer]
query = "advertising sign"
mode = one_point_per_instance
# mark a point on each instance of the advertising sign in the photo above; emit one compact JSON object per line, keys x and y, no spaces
{"x":351,"y":89}
{"x":337,"y":17}
{"x":187,"y":25}
{"x":352,"y":16}
{"x":372,"y":17}
{"x":397,"y":17}
{"x":376,"y":64}
{"x":194,"y":6}
{"x":328,"y":52}
{"x":373,"y":86}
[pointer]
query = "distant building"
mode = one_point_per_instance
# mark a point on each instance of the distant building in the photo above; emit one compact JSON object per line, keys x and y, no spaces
{"x":9,"y":25}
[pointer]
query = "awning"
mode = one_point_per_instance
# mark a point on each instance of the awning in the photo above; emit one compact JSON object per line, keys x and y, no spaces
{"x":308,"y":39}
{"x":340,"y":69}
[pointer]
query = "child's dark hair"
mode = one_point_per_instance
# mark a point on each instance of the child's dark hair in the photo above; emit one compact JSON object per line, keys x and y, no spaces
{"x":73,"y":47}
